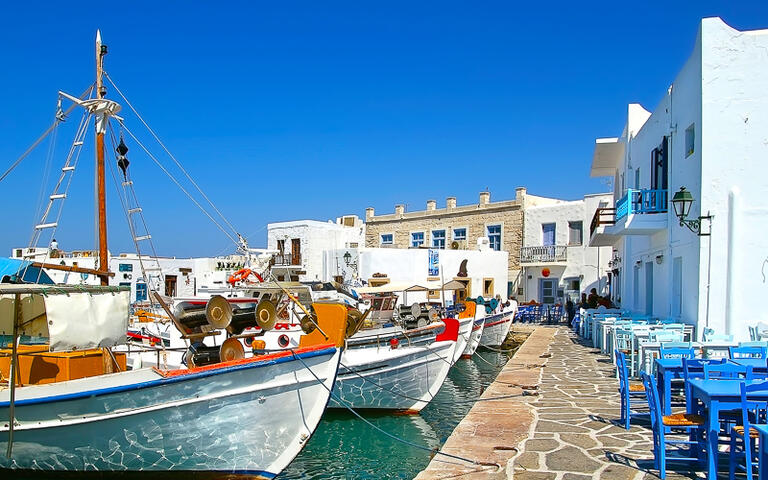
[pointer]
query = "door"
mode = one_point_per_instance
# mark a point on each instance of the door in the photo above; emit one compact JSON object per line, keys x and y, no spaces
{"x":548,"y":290}
{"x":548,"y":234}
{"x":170,"y":285}
{"x":295,"y":251}
{"x":649,"y":288}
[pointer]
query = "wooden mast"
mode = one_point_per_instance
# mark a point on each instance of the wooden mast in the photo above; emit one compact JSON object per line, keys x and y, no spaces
{"x":101,"y":194}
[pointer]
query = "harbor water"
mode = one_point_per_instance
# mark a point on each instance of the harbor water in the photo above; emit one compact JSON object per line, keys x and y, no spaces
{"x":345,"y":447}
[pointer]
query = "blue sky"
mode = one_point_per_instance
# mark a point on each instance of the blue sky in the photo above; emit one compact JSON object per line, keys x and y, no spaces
{"x":289,"y":110}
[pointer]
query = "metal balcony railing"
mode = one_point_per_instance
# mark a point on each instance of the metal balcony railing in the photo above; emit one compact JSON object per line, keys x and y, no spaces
{"x":642,"y":201}
{"x":283,"y":259}
{"x":544,"y":254}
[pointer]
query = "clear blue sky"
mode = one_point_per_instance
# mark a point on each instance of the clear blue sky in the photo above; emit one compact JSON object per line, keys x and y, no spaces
{"x":289,"y":110}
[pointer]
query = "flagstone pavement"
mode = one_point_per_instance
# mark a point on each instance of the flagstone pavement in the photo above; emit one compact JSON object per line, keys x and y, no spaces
{"x":575,"y":434}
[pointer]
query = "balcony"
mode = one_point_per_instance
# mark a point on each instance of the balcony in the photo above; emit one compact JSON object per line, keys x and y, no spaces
{"x":285,"y":259}
{"x":639,"y":212}
{"x":544,"y":254}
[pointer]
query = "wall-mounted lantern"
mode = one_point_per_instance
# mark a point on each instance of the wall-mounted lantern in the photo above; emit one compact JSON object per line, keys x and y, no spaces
{"x":347,"y":258}
{"x":682,"y":202}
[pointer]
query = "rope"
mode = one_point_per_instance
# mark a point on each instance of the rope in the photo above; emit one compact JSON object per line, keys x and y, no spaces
{"x":434,"y":451}
{"x":173,"y":179}
{"x":42,"y":137}
{"x":178,"y":164}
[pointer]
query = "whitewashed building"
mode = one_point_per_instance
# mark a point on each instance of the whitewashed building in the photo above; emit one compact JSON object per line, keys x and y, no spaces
{"x":301,"y":243}
{"x":709,"y":134}
{"x":556,"y":258}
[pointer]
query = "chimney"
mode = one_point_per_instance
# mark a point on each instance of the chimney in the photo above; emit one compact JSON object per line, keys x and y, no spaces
{"x":431,"y":204}
{"x":450,"y":203}
{"x":399,"y":209}
{"x":369,"y":213}
{"x":520,"y":194}
{"x":485,"y":198}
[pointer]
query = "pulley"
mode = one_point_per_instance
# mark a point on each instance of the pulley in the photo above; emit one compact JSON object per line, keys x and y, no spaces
{"x":266,"y":315}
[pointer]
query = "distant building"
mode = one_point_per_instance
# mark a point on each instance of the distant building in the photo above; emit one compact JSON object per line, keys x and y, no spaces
{"x":300,"y":244}
{"x":708,"y":135}
{"x":556,"y":258}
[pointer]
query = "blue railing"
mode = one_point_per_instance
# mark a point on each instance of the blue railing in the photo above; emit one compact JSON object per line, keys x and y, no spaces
{"x":641,"y":201}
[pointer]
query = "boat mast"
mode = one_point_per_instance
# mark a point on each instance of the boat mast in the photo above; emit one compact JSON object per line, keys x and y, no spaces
{"x":101,"y":194}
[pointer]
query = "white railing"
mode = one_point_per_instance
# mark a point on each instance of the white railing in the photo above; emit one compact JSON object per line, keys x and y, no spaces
{"x":544,"y":254}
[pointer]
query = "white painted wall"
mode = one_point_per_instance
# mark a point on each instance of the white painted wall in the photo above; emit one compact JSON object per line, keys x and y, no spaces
{"x":316,"y":237}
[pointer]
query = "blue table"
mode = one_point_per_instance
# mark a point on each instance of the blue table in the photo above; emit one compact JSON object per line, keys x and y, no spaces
{"x":717,"y":395}
{"x":762,"y":455}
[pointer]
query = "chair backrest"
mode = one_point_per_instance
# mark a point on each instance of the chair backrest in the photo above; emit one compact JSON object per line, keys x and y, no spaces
{"x":727,"y":371}
{"x":746,"y":405}
{"x":694,"y":367}
{"x":665,"y":336}
{"x":752,"y":333}
{"x":654,"y":406}
{"x":676,"y":350}
{"x":748,"y":351}
{"x":719,"y":337}
{"x":621,"y":369}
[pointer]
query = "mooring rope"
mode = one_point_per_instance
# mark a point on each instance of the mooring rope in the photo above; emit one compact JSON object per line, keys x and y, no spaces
{"x":434,"y":451}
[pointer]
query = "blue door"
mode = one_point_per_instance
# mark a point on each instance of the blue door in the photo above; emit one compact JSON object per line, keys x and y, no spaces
{"x":649,"y":288}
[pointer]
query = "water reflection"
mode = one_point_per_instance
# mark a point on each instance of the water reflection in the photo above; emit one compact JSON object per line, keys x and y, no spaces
{"x":344,"y":447}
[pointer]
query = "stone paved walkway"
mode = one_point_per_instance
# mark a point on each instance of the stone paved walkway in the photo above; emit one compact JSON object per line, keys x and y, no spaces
{"x":575,"y":434}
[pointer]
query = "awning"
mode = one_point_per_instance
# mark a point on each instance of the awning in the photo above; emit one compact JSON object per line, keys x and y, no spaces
{"x":609,"y":153}
{"x":11,"y":266}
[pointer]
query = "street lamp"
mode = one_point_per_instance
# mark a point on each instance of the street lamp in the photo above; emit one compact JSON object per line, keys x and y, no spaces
{"x":347,"y":258}
{"x":682,"y":202}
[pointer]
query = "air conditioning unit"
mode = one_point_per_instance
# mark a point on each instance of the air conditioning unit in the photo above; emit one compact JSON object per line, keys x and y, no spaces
{"x":459,"y":245}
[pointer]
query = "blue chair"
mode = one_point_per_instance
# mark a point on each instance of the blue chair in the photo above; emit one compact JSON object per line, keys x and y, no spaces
{"x":632,"y":395}
{"x":665,"y":336}
{"x":749,"y":350}
{"x":691,"y":424}
{"x":727,"y":371}
{"x":744,"y":438}
{"x":709,"y":335}
{"x":676,"y":350}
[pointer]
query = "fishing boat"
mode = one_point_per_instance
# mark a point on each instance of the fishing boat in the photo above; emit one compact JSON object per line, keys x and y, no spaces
{"x":497,"y":325}
{"x":72,"y":405}
{"x":478,"y":325}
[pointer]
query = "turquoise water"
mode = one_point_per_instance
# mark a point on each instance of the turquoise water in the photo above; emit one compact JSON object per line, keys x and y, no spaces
{"x":344,"y":447}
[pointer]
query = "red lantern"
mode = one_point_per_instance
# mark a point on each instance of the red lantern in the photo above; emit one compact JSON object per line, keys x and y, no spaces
{"x":545,"y":272}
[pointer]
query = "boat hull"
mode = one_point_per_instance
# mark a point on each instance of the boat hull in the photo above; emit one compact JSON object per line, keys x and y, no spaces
{"x":478,"y":325}
{"x":246,"y":418}
{"x":403,"y":379}
{"x":465,"y":333}
{"x":496,"y":329}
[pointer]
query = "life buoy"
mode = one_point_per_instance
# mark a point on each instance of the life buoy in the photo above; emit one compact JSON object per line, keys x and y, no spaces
{"x":242,"y":275}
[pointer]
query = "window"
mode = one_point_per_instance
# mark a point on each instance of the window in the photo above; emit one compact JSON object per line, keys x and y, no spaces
{"x":637,"y":178}
{"x":417,"y":239}
{"x":690,"y":140}
{"x":125,"y":267}
{"x":141,"y":292}
{"x":659,"y":166}
{"x":459,"y":233}
{"x":488,"y":287}
{"x":438,"y":238}
{"x":547,"y":234}
{"x":386,"y":239}
{"x":575,"y":230}
{"x":494,"y":235}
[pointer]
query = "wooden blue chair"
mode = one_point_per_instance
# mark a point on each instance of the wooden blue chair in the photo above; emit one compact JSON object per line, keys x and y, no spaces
{"x":743,"y":438}
{"x":727,"y":371}
{"x":749,"y":350}
{"x":693,"y":368}
{"x":632,"y":395}
{"x":676,"y":350}
{"x":690,"y":424}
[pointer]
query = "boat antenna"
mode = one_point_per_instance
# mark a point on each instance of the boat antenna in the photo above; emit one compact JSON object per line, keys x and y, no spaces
{"x":101,"y":191}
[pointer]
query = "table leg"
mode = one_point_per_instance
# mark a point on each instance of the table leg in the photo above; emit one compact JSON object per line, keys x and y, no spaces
{"x":667,"y":393}
{"x":713,"y":430}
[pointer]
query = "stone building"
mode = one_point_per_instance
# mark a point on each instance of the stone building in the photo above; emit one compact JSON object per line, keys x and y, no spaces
{"x":497,"y":225}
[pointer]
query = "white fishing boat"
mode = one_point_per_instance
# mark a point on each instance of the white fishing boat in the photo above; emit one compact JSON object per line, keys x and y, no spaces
{"x":478,"y":325}
{"x":496,"y":328}
{"x":71,"y":405}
